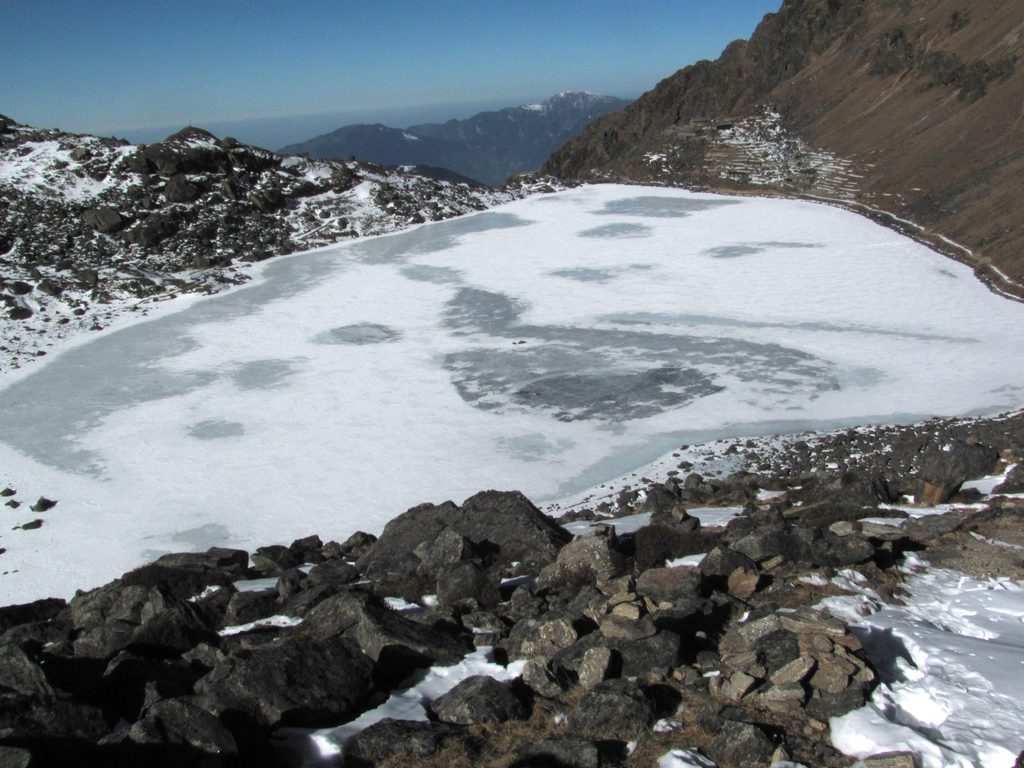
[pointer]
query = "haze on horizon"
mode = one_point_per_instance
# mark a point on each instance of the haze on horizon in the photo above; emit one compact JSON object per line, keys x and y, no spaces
{"x":271,"y":72}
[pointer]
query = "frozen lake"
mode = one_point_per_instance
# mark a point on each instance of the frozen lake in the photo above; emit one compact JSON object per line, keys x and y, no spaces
{"x":547,"y":346}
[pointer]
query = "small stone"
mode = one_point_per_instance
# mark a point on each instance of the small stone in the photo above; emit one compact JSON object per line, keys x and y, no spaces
{"x":7,"y":492}
{"x":43,"y":504}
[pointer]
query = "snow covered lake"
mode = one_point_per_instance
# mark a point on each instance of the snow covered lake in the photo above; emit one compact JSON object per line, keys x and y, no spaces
{"x":547,"y":345}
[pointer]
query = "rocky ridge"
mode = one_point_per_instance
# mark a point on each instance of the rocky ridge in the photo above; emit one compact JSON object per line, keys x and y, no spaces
{"x":907,"y":111}
{"x":92,"y":226}
{"x":489,"y":146}
{"x":617,"y":650}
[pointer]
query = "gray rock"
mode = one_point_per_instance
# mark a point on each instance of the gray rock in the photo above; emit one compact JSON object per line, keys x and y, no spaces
{"x":741,"y":744}
{"x":586,"y":559}
{"x":406,"y":741}
{"x":398,"y":645}
{"x":20,"y":673}
{"x":179,"y":190}
{"x":336,"y":572}
{"x":446,"y":549}
{"x":173,"y":722}
{"x":15,"y":757}
{"x":631,"y":658}
{"x":308,"y":683}
{"x":669,"y":584}
{"x":614,"y":709}
{"x":104,"y":220}
{"x":467,"y":580}
{"x":508,"y":522}
{"x":478,"y":699}
{"x":595,"y":666}
{"x":540,"y":679}
{"x":539,"y":638}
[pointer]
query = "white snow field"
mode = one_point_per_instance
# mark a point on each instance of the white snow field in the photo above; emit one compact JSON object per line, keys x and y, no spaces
{"x":952,"y":660}
{"x":547,"y":346}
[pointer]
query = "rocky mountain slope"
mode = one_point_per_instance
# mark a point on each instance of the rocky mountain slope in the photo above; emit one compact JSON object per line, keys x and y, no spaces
{"x":88,"y":223}
{"x":912,"y":108}
{"x":617,"y":647}
{"x":489,"y":147}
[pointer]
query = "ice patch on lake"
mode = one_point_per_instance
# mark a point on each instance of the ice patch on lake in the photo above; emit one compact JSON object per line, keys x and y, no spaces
{"x":618,"y":229}
{"x":348,"y":384}
{"x":360,"y":333}
{"x":215,"y":429}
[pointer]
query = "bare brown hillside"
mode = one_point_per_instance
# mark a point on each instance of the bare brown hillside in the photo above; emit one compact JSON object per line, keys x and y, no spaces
{"x":912,"y":107}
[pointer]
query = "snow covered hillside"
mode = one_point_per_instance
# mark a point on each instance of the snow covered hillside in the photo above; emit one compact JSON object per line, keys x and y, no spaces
{"x":548,"y":345}
{"x":91,"y":227}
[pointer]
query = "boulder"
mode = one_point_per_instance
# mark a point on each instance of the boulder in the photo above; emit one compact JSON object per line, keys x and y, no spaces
{"x":336,"y":572}
{"x":669,"y":584}
{"x":943,"y":469}
{"x":614,"y":709}
{"x":20,"y":673}
{"x":398,"y":742}
{"x":478,"y":699}
{"x":505,"y":524}
{"x":741,"y":744}
{"x":467,"y":580}
{"x":398,"y":645}
{"x":180,"y":730}
{"x":539,"y":678}
{"x":629,"y":658}
{"x":103,"y":220}
{"x":533,"y":638}
{"x":180,"y":190}
{"x":172,"y":632}
{"x":587,"y":559}
{"x":654,"y":544}
{"x":305,"y":683}
{"x":155,"y":228}
{"x":24,"y":613}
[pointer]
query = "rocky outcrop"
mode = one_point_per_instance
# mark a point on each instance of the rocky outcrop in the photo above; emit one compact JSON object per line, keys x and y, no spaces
{"x":908,"y":108}
{"x":88,"y":224}
{"x":489,"y":146}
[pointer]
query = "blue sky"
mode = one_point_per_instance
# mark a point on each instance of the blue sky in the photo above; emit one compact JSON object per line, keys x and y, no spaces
{"x":125,"y":66}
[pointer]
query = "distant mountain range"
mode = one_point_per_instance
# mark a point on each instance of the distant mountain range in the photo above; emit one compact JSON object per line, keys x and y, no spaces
{"x":910,"y":108}
{"x":488,"y":147}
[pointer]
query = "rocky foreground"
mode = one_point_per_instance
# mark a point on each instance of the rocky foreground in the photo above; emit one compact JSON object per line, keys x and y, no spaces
{"x":618,"y":657}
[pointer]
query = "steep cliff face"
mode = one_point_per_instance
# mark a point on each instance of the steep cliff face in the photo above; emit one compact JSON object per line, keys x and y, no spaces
{"x":913,"y":107}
